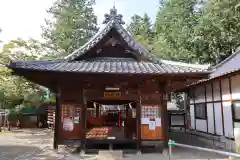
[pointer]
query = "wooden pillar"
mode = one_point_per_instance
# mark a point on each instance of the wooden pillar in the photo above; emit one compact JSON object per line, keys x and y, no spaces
{"x":138,"y":118}
{"x":84,"y":121}
{"x":57,"y":121}
{"x":165,"y":119}
{"x":185,"y":99}
{"x":164,"y":113}
{"x":97,"y":110}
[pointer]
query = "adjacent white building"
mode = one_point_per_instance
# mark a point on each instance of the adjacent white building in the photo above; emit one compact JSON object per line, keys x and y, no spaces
{"x":214,"y":103}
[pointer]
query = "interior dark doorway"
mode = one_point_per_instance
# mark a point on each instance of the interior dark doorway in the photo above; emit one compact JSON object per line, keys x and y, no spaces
{"x":111,"y":121}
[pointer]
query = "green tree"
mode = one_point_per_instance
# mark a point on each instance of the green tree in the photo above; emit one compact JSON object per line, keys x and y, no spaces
{"x":14,"y":88}
{"x":134,"y":25}
{"x":73,"y":23}
{"x":141,"y":29}
{"x":174,"y":28}
{"x":218,"y":30}
{"x":146,"y":28}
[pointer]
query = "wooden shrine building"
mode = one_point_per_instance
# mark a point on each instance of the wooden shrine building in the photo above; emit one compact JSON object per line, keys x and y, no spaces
{"x":111,"y":90}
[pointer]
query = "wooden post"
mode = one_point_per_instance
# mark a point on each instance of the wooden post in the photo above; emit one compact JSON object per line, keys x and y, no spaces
{"x":84,"y":122}
{"x":97,"y":110}
{"x":57,"y":121}
{"x":138,"y":118}
{"x":165,"y":120}
{"x":164,"y":113}
{"x":185,"y":111}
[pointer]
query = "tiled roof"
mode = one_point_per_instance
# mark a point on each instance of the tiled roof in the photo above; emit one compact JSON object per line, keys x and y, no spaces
{"x":211,"y":78}
{"x":149,"y":63}
{"x":125,"y":35}
{"x":228,"y":66}
{"x":107,"y":66}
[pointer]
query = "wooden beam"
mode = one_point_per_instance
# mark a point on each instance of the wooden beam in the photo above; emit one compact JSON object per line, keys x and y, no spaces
{"x":214,"y":121}
{"x":164,"y":113}
{"x":57,"y":121}
{"x":84,"y":121}
{"x":138,"y":121}
{"x":222,"y":114}
{"x":230,"y":92}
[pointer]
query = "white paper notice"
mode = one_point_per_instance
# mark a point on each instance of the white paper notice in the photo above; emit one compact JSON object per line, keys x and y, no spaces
{"x":158,"y":122}
{"x":144,"y":120}
{"x":152,"y":125}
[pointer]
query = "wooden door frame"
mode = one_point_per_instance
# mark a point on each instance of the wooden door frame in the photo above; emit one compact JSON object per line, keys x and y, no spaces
{"x":87,"y":98}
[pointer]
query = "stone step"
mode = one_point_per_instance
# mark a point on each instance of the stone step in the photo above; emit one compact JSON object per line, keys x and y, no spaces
{"x":110,"y":154}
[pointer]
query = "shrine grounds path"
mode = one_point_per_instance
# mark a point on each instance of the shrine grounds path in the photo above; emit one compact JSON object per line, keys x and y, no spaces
{"x":36,"y":144}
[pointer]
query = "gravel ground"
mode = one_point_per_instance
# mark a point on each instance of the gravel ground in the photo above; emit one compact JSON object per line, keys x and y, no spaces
{"x":36,"y":144}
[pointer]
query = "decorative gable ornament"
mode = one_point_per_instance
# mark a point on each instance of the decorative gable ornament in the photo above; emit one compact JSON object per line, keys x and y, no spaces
{"x":113,"y":16}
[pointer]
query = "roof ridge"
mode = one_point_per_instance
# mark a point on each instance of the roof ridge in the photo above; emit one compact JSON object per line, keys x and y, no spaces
{"x":201,"y":66}
{"x":104,"y":29}
{"x":125,"y":35}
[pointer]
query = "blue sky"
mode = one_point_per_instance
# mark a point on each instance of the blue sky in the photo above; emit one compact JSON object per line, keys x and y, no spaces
{"x":23,"y":18}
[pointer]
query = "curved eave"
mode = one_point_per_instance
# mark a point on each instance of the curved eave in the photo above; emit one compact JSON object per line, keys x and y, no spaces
{"x":101,"y":34}
{"x":107,"y":67}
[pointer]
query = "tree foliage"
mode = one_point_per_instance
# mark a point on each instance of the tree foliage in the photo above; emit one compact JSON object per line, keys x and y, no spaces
{"x":14,"y":89}
{"x":73,"y":23}
{"x":141,"y":29}
{"x":218,"y":32}
{"x":174,"y":28}
{"x":192,"y":30}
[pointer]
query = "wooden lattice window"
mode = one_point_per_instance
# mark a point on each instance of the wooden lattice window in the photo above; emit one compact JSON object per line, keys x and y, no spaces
{"x":150,"y":112}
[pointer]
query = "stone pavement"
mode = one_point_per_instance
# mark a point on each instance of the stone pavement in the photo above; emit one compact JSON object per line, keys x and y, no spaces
{"x":36,"y":144}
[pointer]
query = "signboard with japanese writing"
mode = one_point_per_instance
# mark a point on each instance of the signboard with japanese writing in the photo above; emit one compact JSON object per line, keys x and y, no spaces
{"x":112,"y":94}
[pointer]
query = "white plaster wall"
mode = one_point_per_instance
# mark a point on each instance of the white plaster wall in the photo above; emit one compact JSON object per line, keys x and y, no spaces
{"x":216,"y":91}
{"x":201,"y":125}
{"x":209,"y":92}
{"x":227,"y":117}
{"x":225,"y":89}
{"x":235,"y":86}
{"x":192,"y":117}
{"x":191,"y":101}
{"x":218,"y":118}
{"x":200,"y":94}
{"x":210,"y":118}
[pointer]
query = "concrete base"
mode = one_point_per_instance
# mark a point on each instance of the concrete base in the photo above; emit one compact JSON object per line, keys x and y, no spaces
{"x":152,"y":143}
{"x":113,"y":154}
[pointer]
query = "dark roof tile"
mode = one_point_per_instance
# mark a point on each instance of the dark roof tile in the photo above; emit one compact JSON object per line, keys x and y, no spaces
{"x":108,"y":66}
